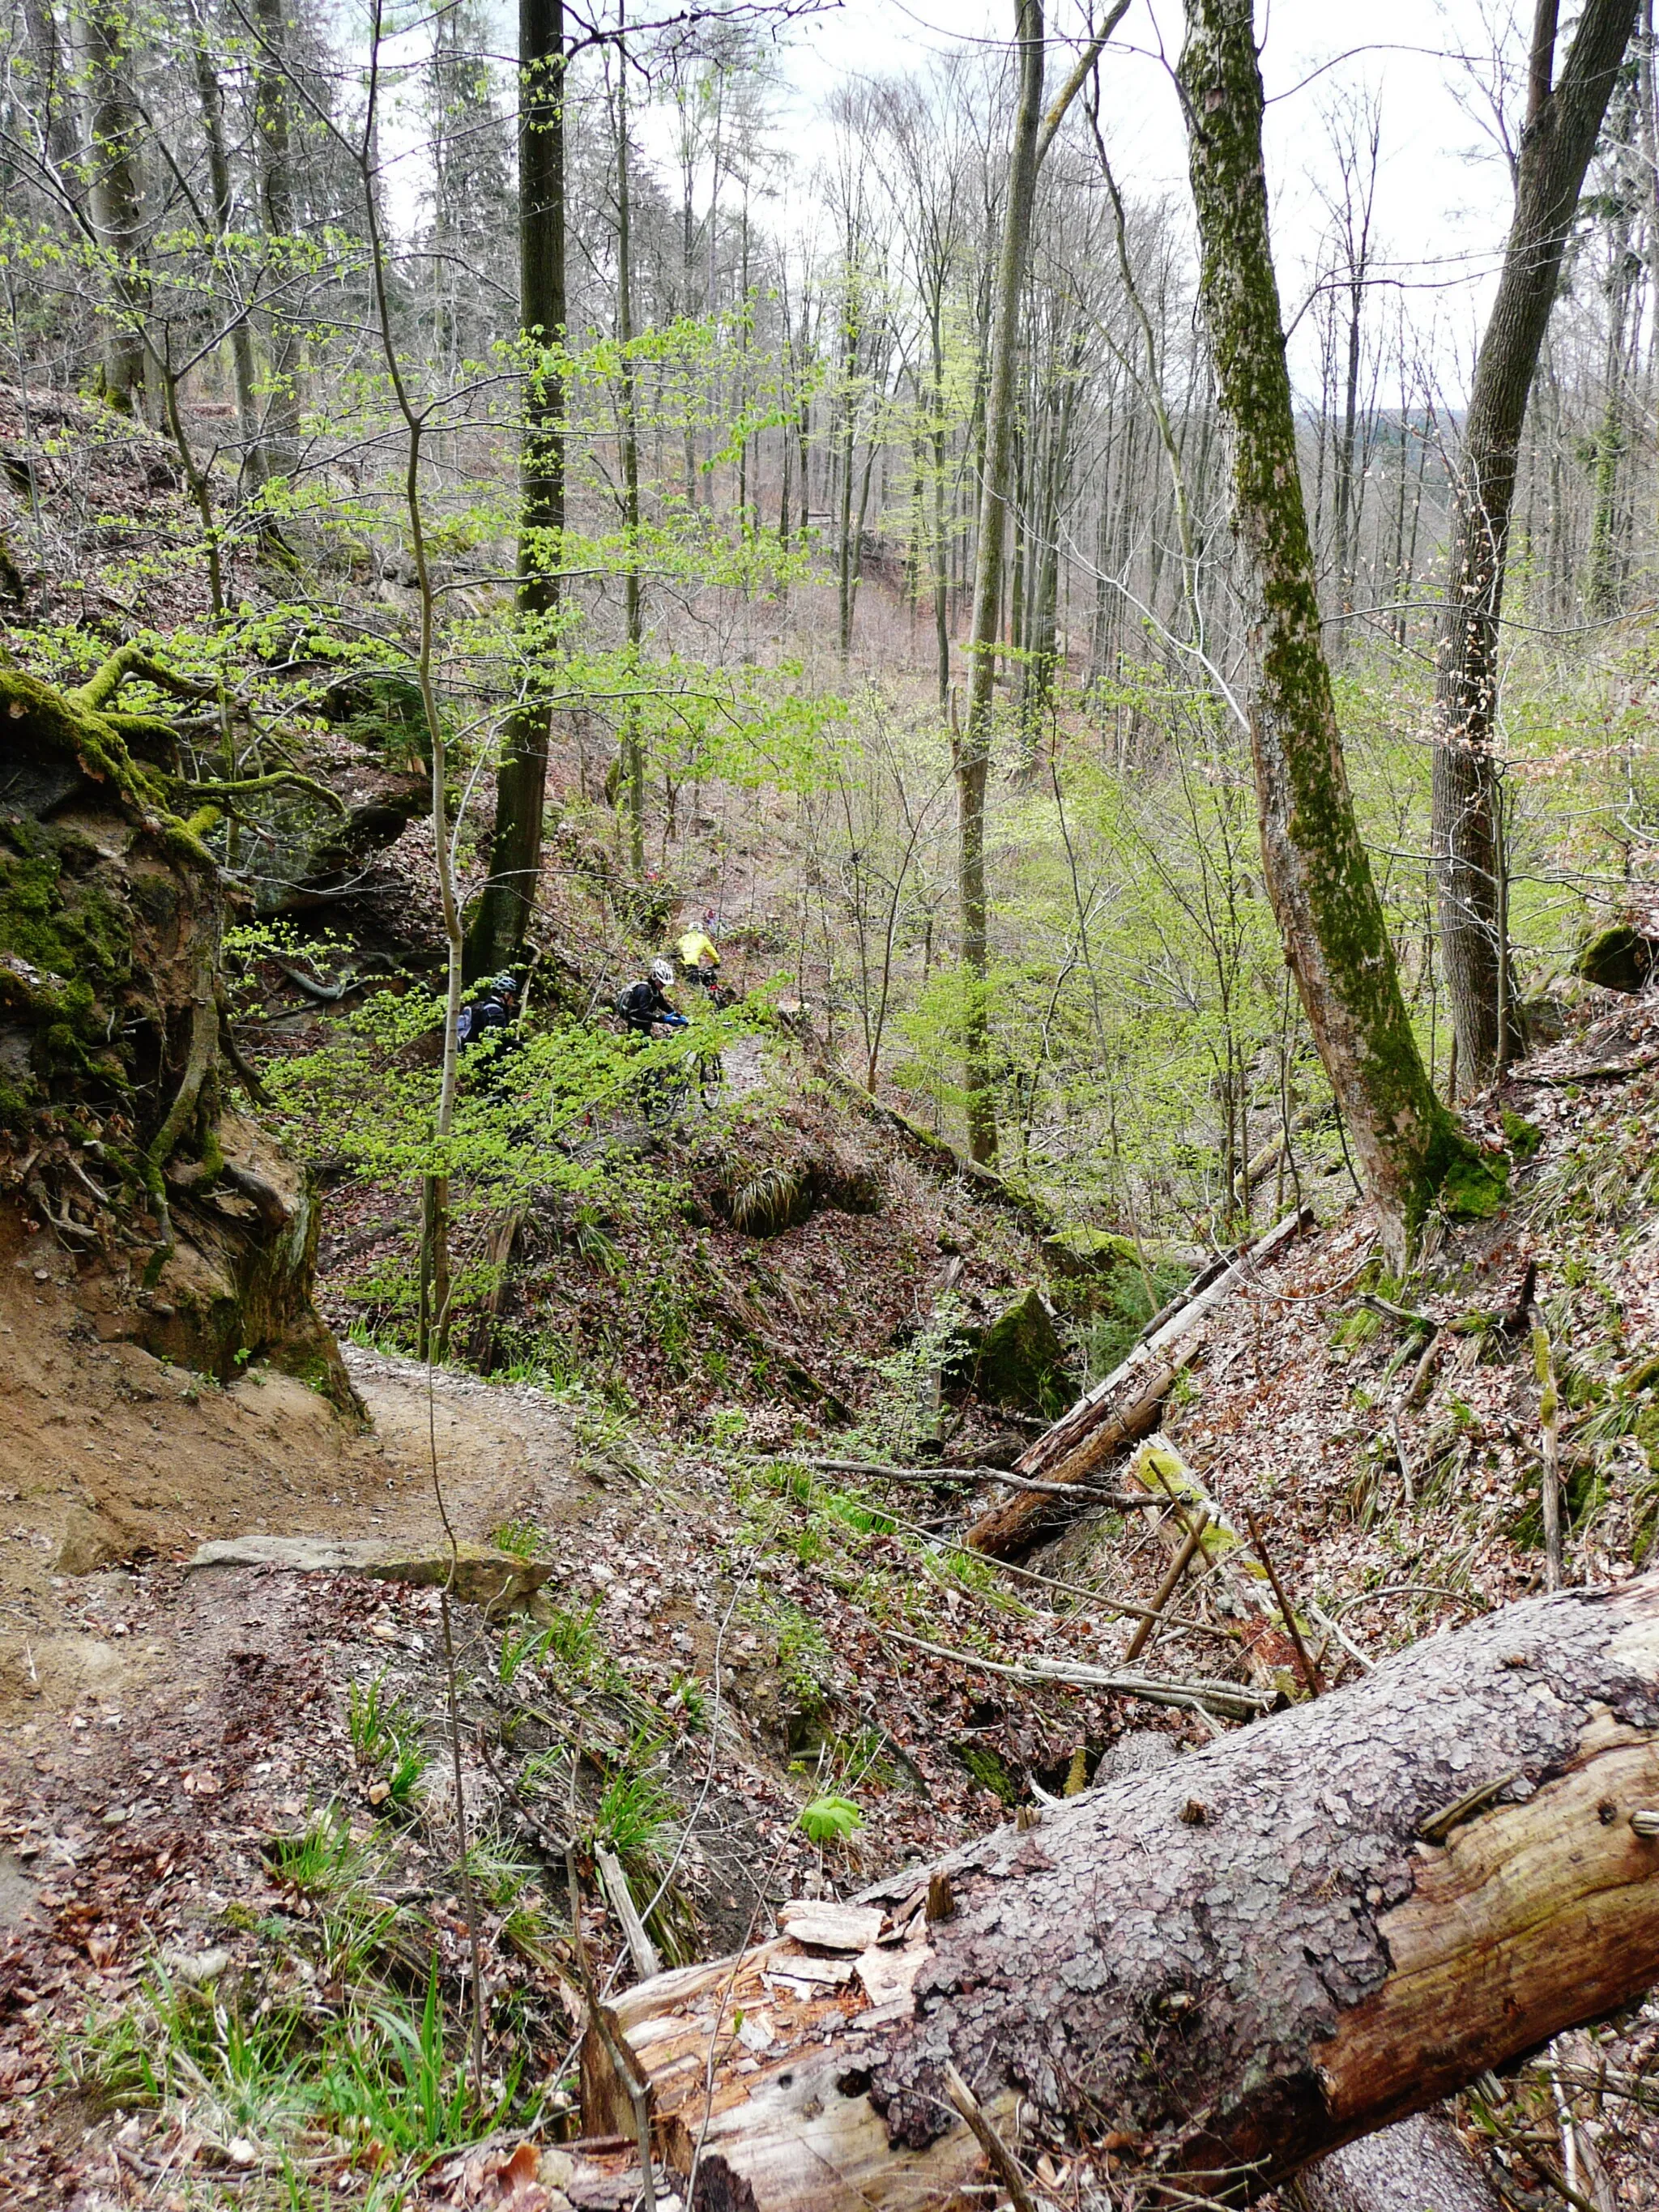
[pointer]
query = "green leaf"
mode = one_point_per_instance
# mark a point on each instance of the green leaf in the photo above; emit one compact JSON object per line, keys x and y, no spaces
{"x":829,"y":1820}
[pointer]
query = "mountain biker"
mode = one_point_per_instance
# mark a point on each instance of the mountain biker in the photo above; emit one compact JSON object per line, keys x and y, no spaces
{"x":697,"y":954}
{"x":494,"y":1008}
{"x":646,"y":1003}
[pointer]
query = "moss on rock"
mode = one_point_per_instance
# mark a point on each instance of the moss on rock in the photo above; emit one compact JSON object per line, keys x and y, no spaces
{"x":1618,"y":956}
{"x":1020,"y":1360}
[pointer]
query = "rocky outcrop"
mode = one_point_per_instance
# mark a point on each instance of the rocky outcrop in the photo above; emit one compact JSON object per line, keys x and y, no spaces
{"x":1019,"y":1361}
{"x":191,"y":1233}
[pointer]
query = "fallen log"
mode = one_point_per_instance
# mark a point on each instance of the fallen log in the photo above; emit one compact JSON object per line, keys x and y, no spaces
{"x":1016,"y":1523}
{"x":1231,"y":1964}
{"x":1057,"y":1442}
{"x":1417,"y":2163}
{"x":1120,"y":1409}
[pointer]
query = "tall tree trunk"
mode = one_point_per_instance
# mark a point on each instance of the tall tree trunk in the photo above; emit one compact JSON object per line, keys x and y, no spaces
{"x":1605,"y":565}
{"x":1237,"y":1963}
{"x":633,"y":751}
{"x":210,"y":99}
{"x":1557,"y":143}
{"x":277,"y":453}
{"x":1317,"y":871}
{"x":973,"y":748}
{"x":498,"y":934}
{"x":788,"y":380}
{"x":117,"y":201}
{"x":851,"y":339}
{"x":941,"y":549}
{"x":51,"y":95}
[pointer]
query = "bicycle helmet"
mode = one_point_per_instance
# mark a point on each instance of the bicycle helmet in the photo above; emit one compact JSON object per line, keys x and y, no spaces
{"x":505,"y":982}
{"x":662,"y":975}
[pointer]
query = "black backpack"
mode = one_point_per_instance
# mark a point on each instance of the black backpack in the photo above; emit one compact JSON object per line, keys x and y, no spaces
{"x":484,"y":1014}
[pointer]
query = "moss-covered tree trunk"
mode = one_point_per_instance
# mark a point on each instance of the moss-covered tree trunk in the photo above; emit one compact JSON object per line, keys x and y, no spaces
{"x":497,"y":934}
{"x":1318,"y":876}
{"x":1556,"y":144}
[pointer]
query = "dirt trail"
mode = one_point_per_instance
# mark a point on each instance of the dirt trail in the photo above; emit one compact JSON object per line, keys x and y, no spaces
{"x":109,"y":1456}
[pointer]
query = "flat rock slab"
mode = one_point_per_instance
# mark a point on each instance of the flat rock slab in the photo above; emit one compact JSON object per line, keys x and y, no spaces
{"x":498,"y":1581}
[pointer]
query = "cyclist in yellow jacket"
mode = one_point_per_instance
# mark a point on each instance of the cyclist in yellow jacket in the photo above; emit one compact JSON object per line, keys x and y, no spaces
{"x":697,"y":954}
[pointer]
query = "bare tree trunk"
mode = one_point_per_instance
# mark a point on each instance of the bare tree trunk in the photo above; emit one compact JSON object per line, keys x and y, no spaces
{"x":936,"y":434}
{"x":508,"y":898}
{"x":1556,"y":144}
{"x":1605,"y":565}
{"x":210,"y":99}
{"x":51,"y":94}
{"x":1237,"y":1963}
{"x":277,"y":453}
{"x":851,"y":339}
{"x":1318,"y":874}
{"x":633,"y":751}
{"x":117,"y":201}
{"x":973,"y":748}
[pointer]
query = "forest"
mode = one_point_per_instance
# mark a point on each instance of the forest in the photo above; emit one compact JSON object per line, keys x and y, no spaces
{"x":827,"y":937}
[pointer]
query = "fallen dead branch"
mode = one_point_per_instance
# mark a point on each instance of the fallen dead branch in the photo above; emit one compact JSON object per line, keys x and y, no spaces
{"x":1166,"y":1589}
{"x":929,"y":1475}
{"x":1231,"y":1701}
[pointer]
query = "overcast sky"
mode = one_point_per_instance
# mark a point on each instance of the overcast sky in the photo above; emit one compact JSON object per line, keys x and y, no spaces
{"x":1443,"y":194}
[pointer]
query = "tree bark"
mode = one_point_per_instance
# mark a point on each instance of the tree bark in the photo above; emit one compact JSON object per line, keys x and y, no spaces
{"x":275,"y":456}
{"x":1417,"y":2163}
{"x":631,"y":782}
{"x":116,"y":197}
{"x":1556,"y":145}
{"x":973,"y":748}
{"x":1010,"y":1528}
{"x":1235,"y":1964}
{"x":210,"y":99}
{"x":1318,"y":874}
{"x":498,"y":934}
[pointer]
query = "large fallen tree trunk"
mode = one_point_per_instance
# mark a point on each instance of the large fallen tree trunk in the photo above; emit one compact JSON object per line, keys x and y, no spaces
{"x":1220,"y":1970}
{"x":1121,"y":1408}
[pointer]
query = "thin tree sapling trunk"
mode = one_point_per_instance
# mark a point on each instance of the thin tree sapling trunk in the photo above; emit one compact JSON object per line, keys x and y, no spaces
{"x":1034,"y":133}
